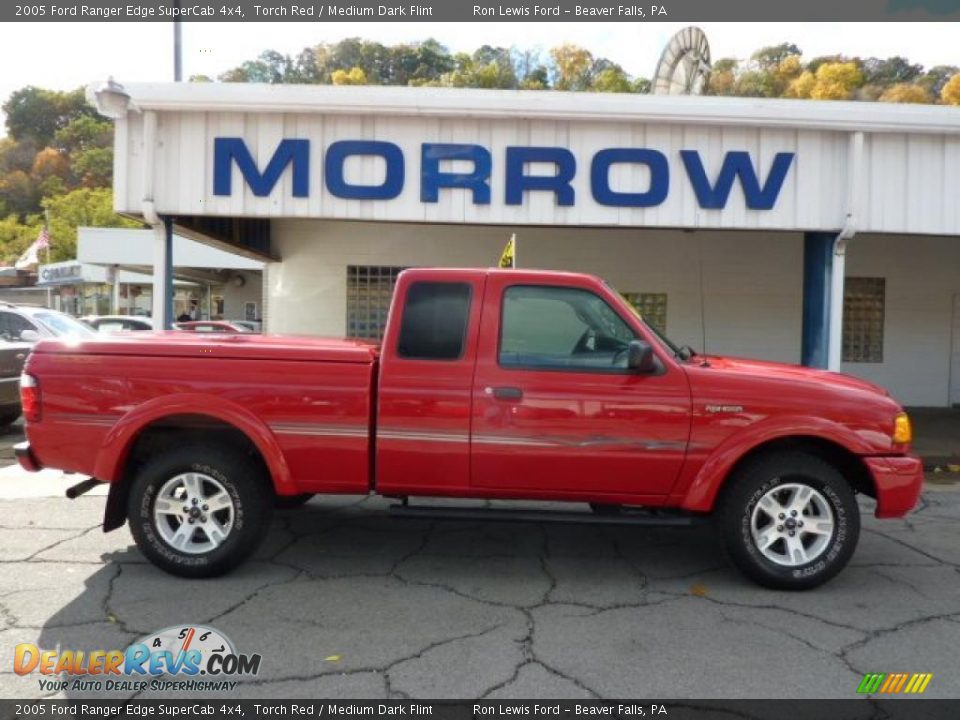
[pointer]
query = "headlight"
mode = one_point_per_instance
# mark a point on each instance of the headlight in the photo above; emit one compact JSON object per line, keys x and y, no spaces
{"x":902,"y":432}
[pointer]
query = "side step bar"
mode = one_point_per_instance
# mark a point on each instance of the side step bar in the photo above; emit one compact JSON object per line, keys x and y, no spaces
{"x":642,"y":518}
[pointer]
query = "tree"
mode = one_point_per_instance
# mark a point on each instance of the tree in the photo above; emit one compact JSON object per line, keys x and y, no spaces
{"x":951,"y":91}
{"x":355,"y":76}
{"x":37,"y":114}
{"x":769,"y":58}
{"x":573,"y":67}
{"x":802,"y":86}
{"x":722,"y":77}
{"x":905,"y":93}
{"x":836,"y":81}
{"x":612,"y":79}
{"x":891,"y":71}
{"x":83,"y":207}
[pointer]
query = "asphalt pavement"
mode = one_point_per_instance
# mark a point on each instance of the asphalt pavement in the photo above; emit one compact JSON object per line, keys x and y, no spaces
{"x":346,"y":602}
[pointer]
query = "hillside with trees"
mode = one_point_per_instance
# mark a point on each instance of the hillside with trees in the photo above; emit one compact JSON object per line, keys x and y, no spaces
{"x":57,"y":157}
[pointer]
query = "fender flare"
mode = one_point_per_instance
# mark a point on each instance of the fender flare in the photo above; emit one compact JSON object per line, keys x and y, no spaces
{"x":701,"y":494}
{"x":113,"y":452}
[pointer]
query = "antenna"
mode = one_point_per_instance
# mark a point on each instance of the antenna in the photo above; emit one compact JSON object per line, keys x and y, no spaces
{"x":684,"y":66}
{"x":703,"y":304}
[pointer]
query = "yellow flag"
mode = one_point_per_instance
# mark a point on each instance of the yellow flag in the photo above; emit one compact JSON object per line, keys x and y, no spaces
{"x":509,"y":256}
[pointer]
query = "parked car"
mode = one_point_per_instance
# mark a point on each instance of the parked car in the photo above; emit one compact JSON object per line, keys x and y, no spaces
{"x":20,"y":327}
{"x":28,"y":323}
{"x":251,"y":325}
{"x":507,"y":384}
{"x":12,"y":357}
{"x":211,"y":326}
{"x":117,"y":323}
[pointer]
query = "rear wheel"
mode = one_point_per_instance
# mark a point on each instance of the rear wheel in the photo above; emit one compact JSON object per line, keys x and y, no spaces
{"x":789,"y":520}
{"x":199,"y":511}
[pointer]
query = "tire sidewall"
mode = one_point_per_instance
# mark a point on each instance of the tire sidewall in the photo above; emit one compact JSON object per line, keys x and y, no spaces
{"x":752,"y":486}
{"x":250,"y":512}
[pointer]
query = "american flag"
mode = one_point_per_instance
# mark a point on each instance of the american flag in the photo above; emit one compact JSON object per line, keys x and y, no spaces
{"x":43,"y":239}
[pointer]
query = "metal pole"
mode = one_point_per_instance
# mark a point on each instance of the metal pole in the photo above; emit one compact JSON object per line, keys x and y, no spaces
{"x":46,"y":226}
{"x":168,"y":275}
{"x":177,"y":45}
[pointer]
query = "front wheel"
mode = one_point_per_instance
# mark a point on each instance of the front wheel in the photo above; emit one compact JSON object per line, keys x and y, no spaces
{"x":789,"y":521}
{"x":199,"y":511}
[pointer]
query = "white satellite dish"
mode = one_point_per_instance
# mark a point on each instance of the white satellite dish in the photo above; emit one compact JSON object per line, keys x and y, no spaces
{"x":684,"y":65}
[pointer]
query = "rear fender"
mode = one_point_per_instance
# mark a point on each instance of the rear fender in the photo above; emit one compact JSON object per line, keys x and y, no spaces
{"x":113,"y":453}
{"x":702,"y":492}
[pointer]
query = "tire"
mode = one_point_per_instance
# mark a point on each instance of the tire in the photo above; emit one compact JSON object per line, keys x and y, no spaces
{"x":223,"y":475}
{"x":291,"y":502}
{"x":826,"y":525}
{"x":8,"y":418}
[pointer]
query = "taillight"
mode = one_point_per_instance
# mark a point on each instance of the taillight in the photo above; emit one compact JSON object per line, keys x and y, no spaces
{"x":30,"y":397}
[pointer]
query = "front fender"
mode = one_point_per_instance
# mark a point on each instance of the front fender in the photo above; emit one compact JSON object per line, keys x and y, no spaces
{"x":702,"y":492}
{"x":114,"y":450}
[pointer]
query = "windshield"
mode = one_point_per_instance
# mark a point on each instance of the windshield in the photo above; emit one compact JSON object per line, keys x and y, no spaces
{"x":63,"y":325}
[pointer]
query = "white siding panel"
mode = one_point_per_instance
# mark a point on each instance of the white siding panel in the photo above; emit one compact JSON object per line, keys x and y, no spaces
{"x":908,"y":185}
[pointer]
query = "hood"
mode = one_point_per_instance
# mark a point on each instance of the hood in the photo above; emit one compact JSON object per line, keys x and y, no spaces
{"x":790,"y":373}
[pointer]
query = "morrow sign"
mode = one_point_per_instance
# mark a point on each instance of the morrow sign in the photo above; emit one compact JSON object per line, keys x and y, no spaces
{"x":439,"y":162}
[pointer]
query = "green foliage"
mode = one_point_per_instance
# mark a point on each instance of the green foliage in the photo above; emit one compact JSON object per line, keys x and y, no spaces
{"x":82,"y":207}
{"x":37,"y":114}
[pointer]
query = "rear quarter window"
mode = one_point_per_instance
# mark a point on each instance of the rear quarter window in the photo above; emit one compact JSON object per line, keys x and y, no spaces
{"x":434,"y":323}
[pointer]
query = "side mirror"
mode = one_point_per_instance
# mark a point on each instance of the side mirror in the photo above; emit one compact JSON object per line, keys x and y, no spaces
{"x":29,"y":336}
{"x":640,"y":356}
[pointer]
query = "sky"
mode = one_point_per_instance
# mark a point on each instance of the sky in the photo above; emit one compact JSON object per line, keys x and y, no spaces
{"x":64,"y":56}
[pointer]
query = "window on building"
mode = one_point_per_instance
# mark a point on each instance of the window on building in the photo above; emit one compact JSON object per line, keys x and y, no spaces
{"x":652,"y":308}
{"x":434,"y":325}
{"x":561,"y":328}
{"x":863,"y":306}
{"x":369,"y":289}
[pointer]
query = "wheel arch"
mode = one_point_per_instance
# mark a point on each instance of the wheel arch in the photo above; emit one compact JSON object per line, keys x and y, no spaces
{"x":710,"y":483}
{"x":156,"y":424}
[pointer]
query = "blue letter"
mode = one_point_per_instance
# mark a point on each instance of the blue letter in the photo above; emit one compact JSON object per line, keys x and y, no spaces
{"x":659,"y":177}
{"x":431,"y":179}
{"x":337,"y":154}
{"x":296,"y":152}
{"x":736,"y":164}
{"x":518,"y":183}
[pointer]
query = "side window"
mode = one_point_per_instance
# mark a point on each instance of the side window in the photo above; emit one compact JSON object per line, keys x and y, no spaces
{"x":434,"y":324}
{"x":11,"y":325}
{"x":561,"y":328}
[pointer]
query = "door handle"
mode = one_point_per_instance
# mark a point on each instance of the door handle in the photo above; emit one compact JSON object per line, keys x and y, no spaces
{"x":505,"y":393}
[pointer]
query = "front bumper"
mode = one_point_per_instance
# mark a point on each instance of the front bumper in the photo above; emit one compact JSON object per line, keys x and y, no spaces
{"x":898,"y":481}
{"x":28,"y":461}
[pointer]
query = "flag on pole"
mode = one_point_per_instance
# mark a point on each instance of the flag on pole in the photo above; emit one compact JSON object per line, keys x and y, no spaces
{"x":508,"y":259}
{"x":30,"y":256}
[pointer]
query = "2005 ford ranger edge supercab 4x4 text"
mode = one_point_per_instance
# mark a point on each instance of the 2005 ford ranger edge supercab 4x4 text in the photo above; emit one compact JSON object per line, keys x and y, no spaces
{"x":508,"y":384}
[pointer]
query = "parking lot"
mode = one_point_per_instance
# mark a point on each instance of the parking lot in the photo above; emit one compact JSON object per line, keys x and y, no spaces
{"x":346,"y":602}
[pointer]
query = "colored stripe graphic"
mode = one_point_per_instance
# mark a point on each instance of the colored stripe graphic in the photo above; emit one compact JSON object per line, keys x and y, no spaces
{"x":894,"y":683}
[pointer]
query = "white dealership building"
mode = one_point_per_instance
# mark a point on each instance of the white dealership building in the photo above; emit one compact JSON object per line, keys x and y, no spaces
{"x":823,"y":233}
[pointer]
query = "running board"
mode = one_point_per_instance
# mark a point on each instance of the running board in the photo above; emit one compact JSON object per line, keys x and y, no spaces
{"x":641,"y":518}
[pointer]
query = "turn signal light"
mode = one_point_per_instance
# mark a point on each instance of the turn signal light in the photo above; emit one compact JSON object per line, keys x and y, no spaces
{"x":902,"y":432}
{"x":30,"y":397}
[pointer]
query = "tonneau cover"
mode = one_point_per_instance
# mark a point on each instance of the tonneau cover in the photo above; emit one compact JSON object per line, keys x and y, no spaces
{"x":239,"y":346}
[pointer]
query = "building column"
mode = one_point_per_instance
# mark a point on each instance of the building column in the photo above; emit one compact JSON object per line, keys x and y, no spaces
{"x":163,"y":275}
{"x":817,"y":279}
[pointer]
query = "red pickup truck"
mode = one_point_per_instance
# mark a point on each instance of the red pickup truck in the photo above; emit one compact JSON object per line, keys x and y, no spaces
{"x":508,"y":384}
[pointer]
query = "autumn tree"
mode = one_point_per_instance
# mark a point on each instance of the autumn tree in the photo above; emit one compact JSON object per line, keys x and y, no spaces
{"x":950,"y":94}
{"x":905,"y":93}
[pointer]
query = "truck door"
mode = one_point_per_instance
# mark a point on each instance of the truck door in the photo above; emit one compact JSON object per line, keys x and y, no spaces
{"x":426,"y":373}
{"x":555,"y":409}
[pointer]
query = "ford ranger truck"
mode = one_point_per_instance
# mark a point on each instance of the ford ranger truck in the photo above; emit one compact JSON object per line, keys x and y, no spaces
{"x":507,"y":384}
